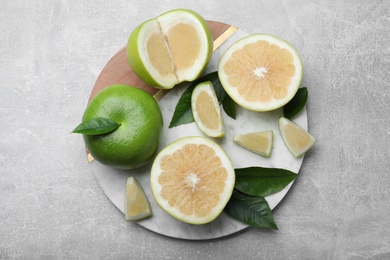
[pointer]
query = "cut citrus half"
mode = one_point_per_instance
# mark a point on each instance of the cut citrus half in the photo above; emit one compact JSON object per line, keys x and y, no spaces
{"x":206,"y":110}
{"x":260,"y":72}
{"x":137,"y":206}
{"x":256,"y":142}
{"x":297,"y":139}
{"x":192,"y":179}
{"x":172,"y":48}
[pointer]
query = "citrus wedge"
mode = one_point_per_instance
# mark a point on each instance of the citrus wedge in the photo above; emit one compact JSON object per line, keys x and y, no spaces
{"x":137,"y":206}
{"x":172,"y":48}
{"x":297,"y":139}
{"x":256,"y":142}
{"x":206,"y":110}
{"x":260,"y":72}
{"x":192,"y":179}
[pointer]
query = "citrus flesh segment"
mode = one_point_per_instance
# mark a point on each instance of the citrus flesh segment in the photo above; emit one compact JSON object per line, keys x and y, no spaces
{"x":171,"y":48}
{"x":192,"y":179}
{"x":206,"y":110}
{"x":184,"y":34}
{"x":257,"y":142}
{"x":297,"y":140}
{"x":159,"y":55}
{"x":260,"y":72}
{"x":137,"y":206}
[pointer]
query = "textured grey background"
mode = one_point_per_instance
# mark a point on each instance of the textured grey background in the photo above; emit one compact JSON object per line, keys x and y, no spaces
{"x":51,"y":207}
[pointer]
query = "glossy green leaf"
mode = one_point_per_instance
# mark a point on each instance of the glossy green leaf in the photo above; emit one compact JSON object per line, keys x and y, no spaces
{"x":183,"y":113}
{"x":96,"y":126}
{"x":251,"y":210}
{"x":219,"y":90}
{"x":230,"y":107}
{"x":260,"y":181}
{"x":296,"y":104}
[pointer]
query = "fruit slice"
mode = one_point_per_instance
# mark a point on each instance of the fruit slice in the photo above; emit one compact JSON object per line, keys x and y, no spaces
{"x":192,"y":179}
{"x":260,"y":72}
{"x":172,"y":48}
{"x":206,"y":110}
{"x":137,"y":206}
{"x":297,"y":139}
{"x":257,"y":142}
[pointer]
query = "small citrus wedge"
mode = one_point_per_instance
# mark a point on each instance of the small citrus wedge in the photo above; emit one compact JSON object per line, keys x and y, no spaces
{"x":260,"y":72}
{"x":171,"y":48}
{"x":297,"y":139}
{"x":137,"y":206}
{"x":256,"y":142}
{"x":192,"y":179}
{"x":206,"y":110}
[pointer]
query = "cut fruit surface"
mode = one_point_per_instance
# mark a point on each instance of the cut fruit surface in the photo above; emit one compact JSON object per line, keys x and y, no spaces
{"x":192,"y":179}
{"x":206,"y":110}
{"x":297,"y":139}
{"x":137,"y":206}
{"x":172,"y":48}
{"x":260,"y":72}
{"x":257,"y":142}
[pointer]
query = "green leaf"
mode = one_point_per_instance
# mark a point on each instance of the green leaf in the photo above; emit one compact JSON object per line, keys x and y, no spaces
{"x":251,"y":210}
{"x":259,"y":181}
{"x":230,"y":107}
{"x":296,"y":104}
{"x":96,"y":126}
{"x":219,"y":90}
{"x":183,"y":112}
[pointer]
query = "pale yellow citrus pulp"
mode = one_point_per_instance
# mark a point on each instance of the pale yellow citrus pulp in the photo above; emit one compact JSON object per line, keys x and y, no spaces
{"x":257,"y":142}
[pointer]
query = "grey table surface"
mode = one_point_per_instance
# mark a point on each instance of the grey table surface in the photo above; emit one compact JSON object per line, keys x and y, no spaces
{"x":51,"y":206}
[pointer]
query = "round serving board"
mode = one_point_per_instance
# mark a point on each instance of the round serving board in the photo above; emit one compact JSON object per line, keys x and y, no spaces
{"x":112,"y":181}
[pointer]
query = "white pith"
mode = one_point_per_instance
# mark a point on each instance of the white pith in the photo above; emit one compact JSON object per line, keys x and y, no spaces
{"x":192,"y":179}
{"x":260,"y":72}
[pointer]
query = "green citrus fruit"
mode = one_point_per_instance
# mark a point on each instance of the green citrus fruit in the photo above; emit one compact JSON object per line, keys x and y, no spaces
{"x":136,"y":140}
{"x":172,"y":48}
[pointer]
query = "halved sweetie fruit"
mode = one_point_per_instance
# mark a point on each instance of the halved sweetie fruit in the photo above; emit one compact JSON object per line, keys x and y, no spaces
{"x":192,"y":179}
{"x":172,"y":48}
{"x":260,"y":72}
